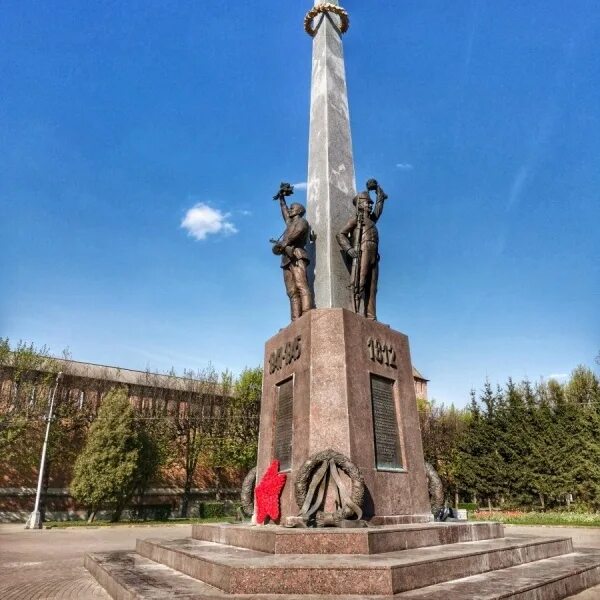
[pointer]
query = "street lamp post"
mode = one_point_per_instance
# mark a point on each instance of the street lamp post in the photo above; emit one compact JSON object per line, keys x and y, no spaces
{"x":35,"y":518}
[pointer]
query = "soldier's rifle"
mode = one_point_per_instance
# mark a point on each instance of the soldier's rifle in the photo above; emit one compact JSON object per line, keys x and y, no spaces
{"x":355,"y":272}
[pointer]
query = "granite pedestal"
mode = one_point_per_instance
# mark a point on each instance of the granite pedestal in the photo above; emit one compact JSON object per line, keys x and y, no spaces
{"x":335,"y":380}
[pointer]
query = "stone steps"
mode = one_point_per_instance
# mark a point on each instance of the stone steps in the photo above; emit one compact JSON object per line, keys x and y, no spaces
{"x":128,"y":576}
{"x":550,"y":579}
{"x":371,"y":540}
{"x":243,"y":571}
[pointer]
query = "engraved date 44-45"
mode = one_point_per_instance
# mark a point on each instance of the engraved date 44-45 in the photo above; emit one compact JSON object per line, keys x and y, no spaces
{"x":285,"y":355}
{"x":382,"y":353}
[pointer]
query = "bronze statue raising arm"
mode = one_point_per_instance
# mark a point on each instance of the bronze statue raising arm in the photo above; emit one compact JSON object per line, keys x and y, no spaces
{"x":294,"y":258}
{"x":359,"y":239}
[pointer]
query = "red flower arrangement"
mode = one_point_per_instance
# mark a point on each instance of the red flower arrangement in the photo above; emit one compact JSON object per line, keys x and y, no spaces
{"x":268,"y":493}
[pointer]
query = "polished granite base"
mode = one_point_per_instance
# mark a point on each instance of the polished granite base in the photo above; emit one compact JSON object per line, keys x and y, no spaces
{"x":454,"y":561}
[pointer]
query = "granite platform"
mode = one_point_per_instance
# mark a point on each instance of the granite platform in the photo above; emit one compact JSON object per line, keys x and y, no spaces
{"x":453,"y":561}
{"x":370,"y":540}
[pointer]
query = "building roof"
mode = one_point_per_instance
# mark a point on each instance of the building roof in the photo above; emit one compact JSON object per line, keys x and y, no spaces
{"x":418,"y":375}
{"x":75,"y":368}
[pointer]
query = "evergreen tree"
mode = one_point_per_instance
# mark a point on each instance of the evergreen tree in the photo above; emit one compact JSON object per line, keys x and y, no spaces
{"x":582,"y":396}
{"x":520,"y":433}
{"x":542,"y":458}
{"x":155,"y":438}
{"x":533,"y":444}
{"x":464,"y":463}
{"x":477,"y":463}
{"x":108,"y":468}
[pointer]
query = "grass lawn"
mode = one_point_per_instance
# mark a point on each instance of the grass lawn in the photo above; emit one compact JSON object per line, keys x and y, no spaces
{"x":517,"y":517}
{"x":63,"y":524}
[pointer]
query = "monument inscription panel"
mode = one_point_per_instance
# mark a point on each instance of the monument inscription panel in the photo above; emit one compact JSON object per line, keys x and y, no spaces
{"x":388,"y":456}
{"x":284,"y":424}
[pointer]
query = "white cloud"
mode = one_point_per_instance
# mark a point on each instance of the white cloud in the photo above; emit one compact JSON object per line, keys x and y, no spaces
{"x":302,"y":185}
{"x":202,"y":220}
{"x":404,"y":166}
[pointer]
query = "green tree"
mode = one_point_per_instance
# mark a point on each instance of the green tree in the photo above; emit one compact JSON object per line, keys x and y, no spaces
{"x":109,"y":466}
{"x":516,"y":434}
{"x":155,"y":436}
{"x":478,"y":464}
{"x":233,"y":445}
{"x":531,"y":444}
{"x":441,"y":426}
{"x":583,"y":387}
{"x":245,"y":412}
{"x":543,"y":458}
{"x":31,"y":372}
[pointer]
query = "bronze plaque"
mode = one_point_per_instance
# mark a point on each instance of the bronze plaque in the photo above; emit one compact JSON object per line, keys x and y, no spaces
{"x":388,"y":456}
{"x":284,"y":419}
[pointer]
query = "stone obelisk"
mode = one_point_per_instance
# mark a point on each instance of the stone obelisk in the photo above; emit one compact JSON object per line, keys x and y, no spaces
{"x":331,"y":179}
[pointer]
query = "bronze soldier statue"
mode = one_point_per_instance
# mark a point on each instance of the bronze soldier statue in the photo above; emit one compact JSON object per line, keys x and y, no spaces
{"x":359,"y":239}
{"x":294,"y":258}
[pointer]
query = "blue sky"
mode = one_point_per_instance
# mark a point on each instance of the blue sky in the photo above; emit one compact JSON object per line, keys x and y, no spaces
{"x":480,"y":119}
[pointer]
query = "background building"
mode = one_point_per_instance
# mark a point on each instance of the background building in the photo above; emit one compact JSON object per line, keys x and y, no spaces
{"x":25,"y":388}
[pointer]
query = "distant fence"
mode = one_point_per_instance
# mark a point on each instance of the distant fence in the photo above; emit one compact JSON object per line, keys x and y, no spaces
{"x":16,"y":504}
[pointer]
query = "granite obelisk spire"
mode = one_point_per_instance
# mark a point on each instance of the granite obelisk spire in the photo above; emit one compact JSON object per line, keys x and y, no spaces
{"x":331,"y":179}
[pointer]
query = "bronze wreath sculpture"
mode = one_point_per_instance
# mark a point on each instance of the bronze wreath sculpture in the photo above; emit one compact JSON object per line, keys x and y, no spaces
{"x":311,"y":487}
{"x":247,"y":496}
{"x":325,"y":8}
{"x":435,"y":486}
{"x":436,"y":490}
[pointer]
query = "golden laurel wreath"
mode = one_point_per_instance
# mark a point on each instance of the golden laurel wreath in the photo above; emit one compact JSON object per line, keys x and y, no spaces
{"x":324,"y":8}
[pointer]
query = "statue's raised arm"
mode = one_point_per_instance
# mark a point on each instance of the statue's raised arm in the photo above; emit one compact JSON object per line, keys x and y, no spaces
{"x":373,"y":186}
{"x":285,"y":189}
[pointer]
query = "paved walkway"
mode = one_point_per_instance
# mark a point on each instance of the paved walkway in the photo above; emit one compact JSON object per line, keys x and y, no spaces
{"x":47,"y":564}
